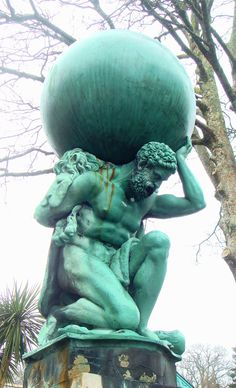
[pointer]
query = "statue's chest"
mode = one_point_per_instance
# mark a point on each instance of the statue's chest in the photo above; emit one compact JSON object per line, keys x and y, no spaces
{"x":111,"y":204}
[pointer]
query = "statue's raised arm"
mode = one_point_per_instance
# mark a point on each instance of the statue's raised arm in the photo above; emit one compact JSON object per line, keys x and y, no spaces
{"x":167,"y":205}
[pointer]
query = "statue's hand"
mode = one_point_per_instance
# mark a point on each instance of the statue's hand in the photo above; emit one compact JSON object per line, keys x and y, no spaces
{"x":185,"y":150}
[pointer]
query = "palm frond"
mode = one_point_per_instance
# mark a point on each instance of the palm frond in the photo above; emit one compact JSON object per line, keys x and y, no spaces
{"x":13,"y":368}
{"x":20,"y":322}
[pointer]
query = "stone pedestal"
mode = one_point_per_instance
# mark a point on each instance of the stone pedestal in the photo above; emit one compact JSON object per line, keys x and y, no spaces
{"x":72,"y":362}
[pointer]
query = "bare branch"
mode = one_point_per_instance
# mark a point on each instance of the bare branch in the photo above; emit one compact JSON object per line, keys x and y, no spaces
{"x":19,"y":19}
{"x":213,"y":233}
{"x":107,"y":18}
{"x":224,"y":46}
{"x":207,"y":131}
{"x":168,"y":25}
{"x":20,"y":74}
{"x":29,"y":151}
{"x":26,"y":173}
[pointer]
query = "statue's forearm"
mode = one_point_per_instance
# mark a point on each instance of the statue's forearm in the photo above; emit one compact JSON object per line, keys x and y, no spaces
{"x":65,"y":193}
{"x":51,"y":208}
{"x":46,"y":215}
{"x":192,"y":190}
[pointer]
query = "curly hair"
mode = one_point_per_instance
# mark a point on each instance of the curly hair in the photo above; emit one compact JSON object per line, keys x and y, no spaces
{"x":77,"y":161}
{"x":154,"y":153}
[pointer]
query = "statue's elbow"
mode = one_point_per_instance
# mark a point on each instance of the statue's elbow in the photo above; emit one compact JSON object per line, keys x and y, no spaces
{"x":41,"y":216}
{"x":201,"y":204}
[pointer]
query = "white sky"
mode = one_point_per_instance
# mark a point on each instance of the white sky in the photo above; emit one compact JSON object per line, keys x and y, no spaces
{"x":198,"y":299}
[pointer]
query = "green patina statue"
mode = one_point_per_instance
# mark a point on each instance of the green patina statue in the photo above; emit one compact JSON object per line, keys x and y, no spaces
{"x":107,"y":273}
{"x":104,"y":274}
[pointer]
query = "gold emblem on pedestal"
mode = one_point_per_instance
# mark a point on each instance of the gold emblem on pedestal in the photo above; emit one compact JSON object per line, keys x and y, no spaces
{"x":148,"y":379}
{"x":80,"y":365}
{"x":124,"y":360}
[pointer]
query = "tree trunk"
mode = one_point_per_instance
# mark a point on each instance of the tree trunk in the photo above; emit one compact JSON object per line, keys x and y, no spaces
{"x":219,"y":161}
{"x":232,"y":47}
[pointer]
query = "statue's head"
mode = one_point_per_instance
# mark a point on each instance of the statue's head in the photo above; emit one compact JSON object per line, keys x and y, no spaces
{"x":155,"y":162}
{"x":77,"y":161}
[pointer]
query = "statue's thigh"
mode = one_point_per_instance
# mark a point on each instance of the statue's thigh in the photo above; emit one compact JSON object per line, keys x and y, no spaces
{"x":152,"y":248}
{"x":90,"y":277}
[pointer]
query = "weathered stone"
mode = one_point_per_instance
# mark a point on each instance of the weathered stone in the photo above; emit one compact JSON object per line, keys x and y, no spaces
{"x":69,"y":362}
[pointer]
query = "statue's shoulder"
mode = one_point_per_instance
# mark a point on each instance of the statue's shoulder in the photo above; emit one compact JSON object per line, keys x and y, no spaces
{"x":75,"y":168}
{"x":78,"y":166}
{"x":76,"y":162}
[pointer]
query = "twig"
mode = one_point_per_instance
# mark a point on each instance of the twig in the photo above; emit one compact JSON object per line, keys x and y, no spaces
{"x":27,"y":174}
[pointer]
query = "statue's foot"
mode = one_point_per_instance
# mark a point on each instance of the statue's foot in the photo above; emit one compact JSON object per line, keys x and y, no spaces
{"x":154,"y":337}
{"x":175,"y":337}
{"x":174,"y":340}
{"x":102,"y":331}
{"x":76,"y":329}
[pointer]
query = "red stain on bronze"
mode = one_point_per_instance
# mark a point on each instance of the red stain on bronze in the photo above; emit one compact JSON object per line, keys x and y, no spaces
{"x":112,"y":173}
{"x":107,"y":181}
{"x":111,"y":196}
{"x":101,"y":177}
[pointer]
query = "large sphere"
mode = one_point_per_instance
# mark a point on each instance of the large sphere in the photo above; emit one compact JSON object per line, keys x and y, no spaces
{"x":115,"y":91}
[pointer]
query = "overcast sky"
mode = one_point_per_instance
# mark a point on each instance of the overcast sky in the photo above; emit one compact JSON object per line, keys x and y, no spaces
{"x":198,"y":298}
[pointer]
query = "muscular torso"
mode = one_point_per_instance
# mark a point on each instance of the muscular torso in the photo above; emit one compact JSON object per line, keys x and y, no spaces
{"x":109,"y":216}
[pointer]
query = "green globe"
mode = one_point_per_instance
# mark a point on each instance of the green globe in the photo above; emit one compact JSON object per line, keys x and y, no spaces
{"x":113,"y":92}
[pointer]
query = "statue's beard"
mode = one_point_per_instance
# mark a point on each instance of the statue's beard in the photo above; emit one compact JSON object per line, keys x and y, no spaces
{"x":140,"y":187}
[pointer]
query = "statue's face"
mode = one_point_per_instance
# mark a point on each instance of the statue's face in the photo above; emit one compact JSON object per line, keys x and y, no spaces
{"x":146,"y":180}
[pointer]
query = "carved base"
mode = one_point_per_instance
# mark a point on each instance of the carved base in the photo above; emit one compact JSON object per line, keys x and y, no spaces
{"x":69,"y":362}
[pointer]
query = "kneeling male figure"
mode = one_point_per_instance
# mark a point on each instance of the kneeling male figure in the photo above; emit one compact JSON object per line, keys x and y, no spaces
{"x":103,"y":271}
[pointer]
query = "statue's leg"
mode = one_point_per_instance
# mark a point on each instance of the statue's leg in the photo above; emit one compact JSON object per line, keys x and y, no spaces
{"x":148,"y":265}
{"x":102,"y":301}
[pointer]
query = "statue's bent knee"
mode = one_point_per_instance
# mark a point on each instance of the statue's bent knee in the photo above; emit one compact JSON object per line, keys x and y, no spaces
{"x":125,"y":317}
{"x":156,"y":240}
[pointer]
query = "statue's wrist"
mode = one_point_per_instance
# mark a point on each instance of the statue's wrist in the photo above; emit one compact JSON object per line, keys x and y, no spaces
{"x":180,"y":157}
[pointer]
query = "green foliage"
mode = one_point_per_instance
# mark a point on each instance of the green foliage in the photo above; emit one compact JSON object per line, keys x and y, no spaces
{"x":20,"y":323}
{"x":10,"y":371}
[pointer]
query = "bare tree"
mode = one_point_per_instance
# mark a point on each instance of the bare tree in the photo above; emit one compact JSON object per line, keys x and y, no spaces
{"x":35,"y":32}
{"x":206,"y":366}
{"x":232,"y":372}
{"x":192,"y":24}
